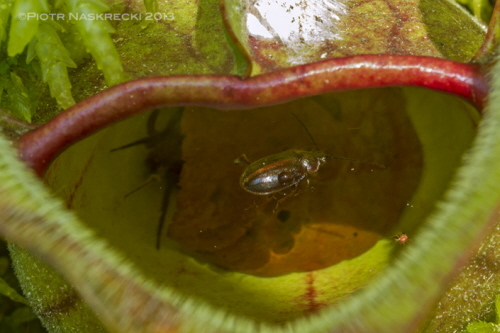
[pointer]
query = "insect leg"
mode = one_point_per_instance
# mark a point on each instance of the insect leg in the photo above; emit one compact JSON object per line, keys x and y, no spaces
{"x":288,"y":195}
{"x":165,"y":200}
{"x":152,"y":178}
{"x":151,"y":125}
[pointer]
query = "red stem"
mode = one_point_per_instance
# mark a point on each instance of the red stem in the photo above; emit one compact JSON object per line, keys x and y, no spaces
{"x":40,"y":146}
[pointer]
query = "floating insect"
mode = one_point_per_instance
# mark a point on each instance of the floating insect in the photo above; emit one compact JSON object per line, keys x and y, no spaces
{"x":401,"y":238}
{"x":284,"y":170}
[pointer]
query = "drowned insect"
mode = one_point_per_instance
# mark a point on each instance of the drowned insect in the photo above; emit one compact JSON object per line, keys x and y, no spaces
{"x":401,"y":238}
{"x":164,"y":161}
{"x":275,"y":173}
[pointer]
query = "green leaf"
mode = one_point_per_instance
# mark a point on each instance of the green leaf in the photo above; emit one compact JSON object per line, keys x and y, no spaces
{"x":8,"y":291}
{"x":19,"y":102}
{"x":95,"y":34}
{"x":5,"y":7}
{"x":21,"y":315}
{"x":482,"y":327}
{"x":151,"y":6}
{"x":481,"y":9}
{"x":497,"y":309}
{"x":24,"y":26}
{"x":450,"y":32}
{"x":54,"y":58}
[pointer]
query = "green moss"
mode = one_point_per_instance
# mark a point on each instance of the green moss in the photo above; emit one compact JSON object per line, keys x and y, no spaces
{"x":46,"y":46}
{"x":54,"y":58}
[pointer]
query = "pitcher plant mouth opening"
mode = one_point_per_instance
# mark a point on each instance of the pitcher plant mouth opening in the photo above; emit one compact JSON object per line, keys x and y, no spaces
{"x":163,"y":188}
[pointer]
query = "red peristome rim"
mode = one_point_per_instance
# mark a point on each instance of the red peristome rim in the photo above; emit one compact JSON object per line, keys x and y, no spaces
{"x":40,"y":146}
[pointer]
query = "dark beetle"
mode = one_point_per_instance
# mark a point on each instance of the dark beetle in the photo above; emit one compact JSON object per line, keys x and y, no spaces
{"x":280,"y":171}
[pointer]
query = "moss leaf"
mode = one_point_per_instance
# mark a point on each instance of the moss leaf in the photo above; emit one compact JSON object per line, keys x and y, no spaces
{"x":8,"y":291}
{"x":18,"y":99}
{"x":95,"y":34}
{"x":5,"y":8}
{"x":24,"y":26}
{"x":54,"y":59}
